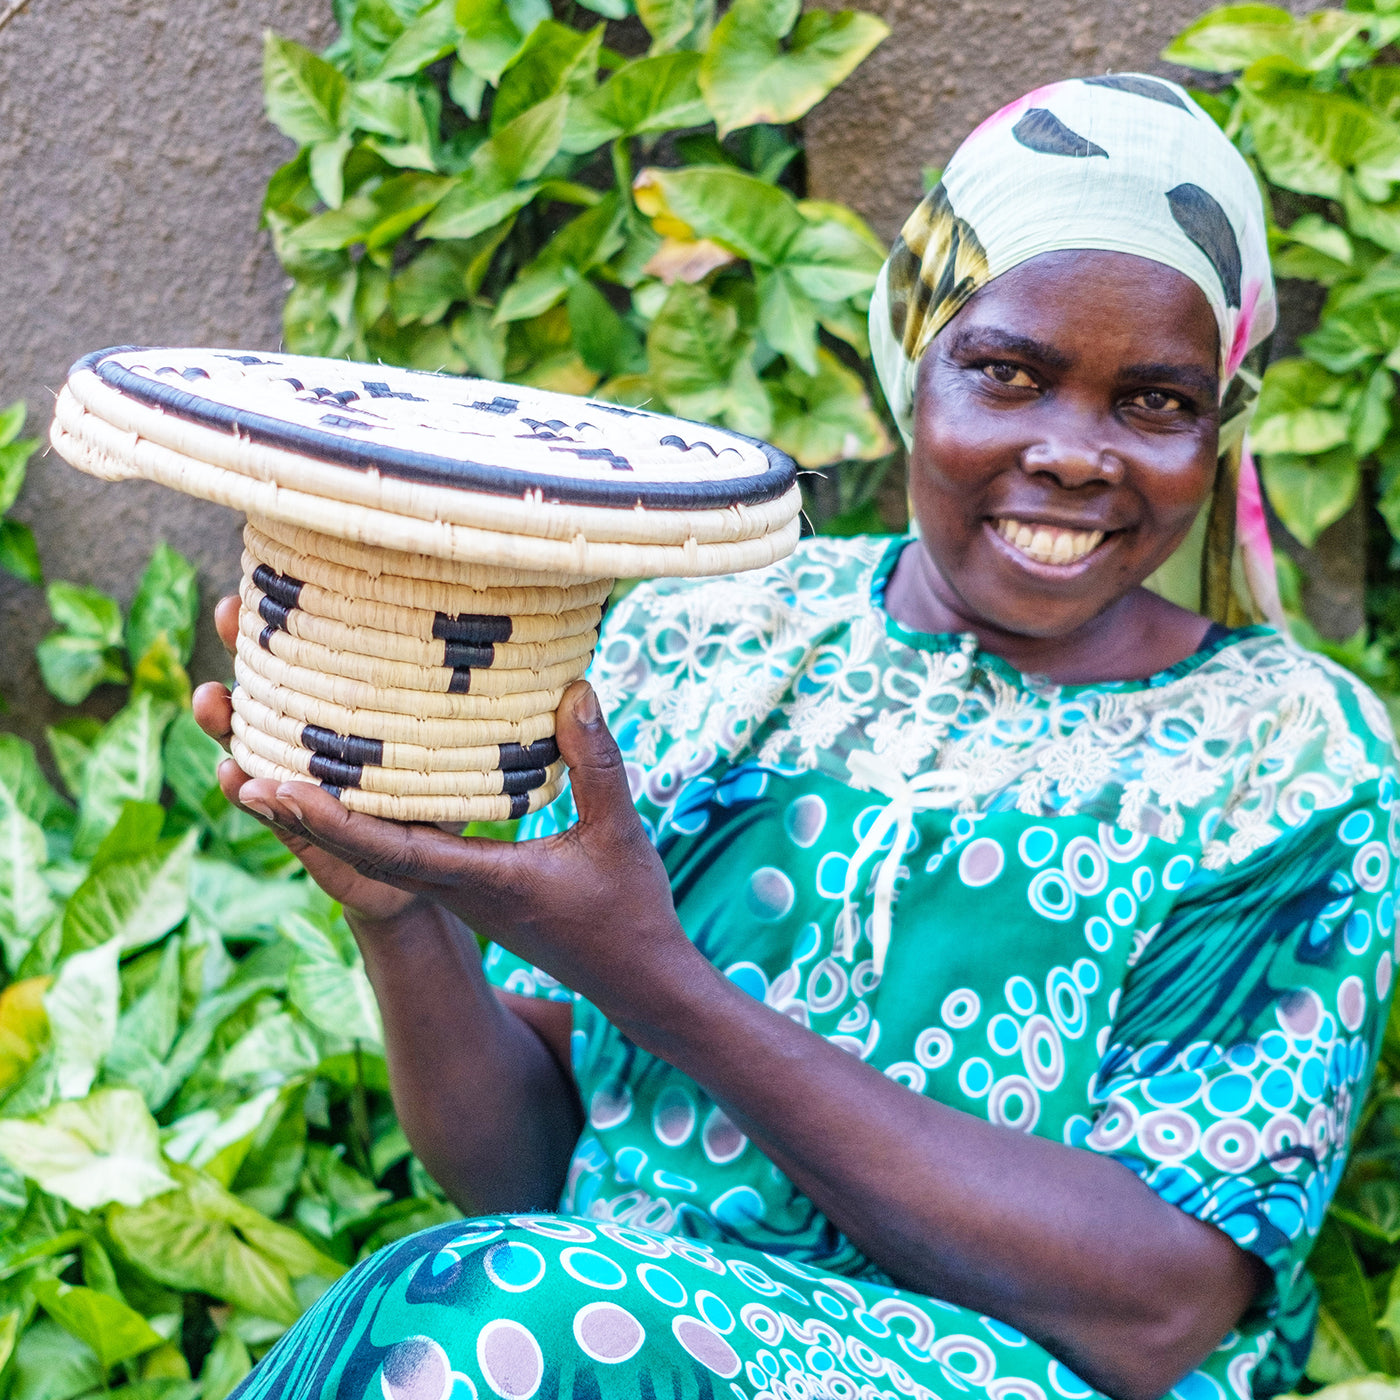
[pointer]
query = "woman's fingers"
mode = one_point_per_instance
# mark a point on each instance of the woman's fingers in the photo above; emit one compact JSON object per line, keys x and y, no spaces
{"x":213,"y":711}
{"x":226,"y":621}
{"x":596,"y":773}
{"x":415,"y":857}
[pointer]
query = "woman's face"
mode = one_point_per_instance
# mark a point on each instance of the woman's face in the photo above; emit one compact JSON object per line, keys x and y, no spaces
{"x":1065,"y":438}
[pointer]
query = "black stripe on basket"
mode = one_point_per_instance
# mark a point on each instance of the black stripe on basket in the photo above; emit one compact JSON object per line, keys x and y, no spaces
{"x":478,"y":628}
{"x":273,"y":613}
{"x":348,"y":748}
{"x":519,"y":805}
{"x":468,"y":653}
{"x":540,"y":754}
{"x":461,"y":682}
{"x":329,"y":771}
{"x":266,"y":635}
{"x":284,"y":590}
{"x":523,"y":780}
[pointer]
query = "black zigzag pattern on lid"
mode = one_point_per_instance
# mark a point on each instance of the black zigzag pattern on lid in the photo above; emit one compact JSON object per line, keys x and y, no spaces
{"x":1041,"y":130}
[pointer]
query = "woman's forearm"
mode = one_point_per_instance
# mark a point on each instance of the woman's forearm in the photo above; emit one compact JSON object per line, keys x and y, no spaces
{"x":1063,"y":1243}
{"x":482,"y":1099}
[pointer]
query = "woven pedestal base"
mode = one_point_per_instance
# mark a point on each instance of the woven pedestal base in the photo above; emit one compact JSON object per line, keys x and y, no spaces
{"x":410,"y":687}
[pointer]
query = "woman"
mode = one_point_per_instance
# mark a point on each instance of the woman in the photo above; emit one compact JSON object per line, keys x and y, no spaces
{"x":979,"y":994}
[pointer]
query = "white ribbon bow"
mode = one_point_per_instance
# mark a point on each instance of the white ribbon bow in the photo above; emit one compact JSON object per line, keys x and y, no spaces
{"x":925,"y":792}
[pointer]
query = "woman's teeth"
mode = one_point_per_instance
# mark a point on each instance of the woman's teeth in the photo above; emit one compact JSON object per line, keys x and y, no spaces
{"x":1048,"y":544}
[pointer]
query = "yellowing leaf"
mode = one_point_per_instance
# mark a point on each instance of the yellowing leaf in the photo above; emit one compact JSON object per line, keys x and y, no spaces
{"x":686,"y":259}
{"x":747,"y":76}
{"x":24,"y":1027}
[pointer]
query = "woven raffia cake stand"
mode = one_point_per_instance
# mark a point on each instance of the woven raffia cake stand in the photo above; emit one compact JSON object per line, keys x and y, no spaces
{"x":426,"y":558}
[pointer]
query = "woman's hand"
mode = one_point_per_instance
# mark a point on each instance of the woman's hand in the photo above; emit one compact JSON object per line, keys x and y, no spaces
{"x":591,"y":906}
{"x":213,"y":712}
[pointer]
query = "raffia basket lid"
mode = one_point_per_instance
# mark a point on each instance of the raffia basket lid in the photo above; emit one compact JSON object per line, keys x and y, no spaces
{"x":463,"y":469}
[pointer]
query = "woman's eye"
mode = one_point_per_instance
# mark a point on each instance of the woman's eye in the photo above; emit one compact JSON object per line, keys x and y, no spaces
{"x":1157,"y":401}
{"x":1011,"y":375}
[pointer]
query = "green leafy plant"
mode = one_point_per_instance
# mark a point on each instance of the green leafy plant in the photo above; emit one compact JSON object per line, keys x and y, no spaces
{"x":195,"y":1129}
{"x":1314,"y":103}
{"x":18,"y":553}
{"x":484,"y":188}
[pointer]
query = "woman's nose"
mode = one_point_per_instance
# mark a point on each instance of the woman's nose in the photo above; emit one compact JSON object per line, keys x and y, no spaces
{"x":1073,"y":462}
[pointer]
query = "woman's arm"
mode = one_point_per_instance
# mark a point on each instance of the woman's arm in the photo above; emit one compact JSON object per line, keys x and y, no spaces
{"x":480,"y":1079}
{"x":1064,"y":1244}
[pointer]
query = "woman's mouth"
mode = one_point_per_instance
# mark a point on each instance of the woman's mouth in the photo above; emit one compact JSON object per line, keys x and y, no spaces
{"x":1047,"y":544}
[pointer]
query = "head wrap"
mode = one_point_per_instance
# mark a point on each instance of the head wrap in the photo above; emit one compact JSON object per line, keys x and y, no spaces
{"x":1129,"y":164}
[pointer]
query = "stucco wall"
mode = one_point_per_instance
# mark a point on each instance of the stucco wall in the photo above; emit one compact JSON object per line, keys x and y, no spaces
{"x":133,"y":153}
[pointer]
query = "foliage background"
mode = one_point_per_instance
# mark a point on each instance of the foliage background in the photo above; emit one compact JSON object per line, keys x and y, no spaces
{"x":195,"y":1131}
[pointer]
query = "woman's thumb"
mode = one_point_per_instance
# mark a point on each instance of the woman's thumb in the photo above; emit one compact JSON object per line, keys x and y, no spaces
{"x":596,"y":773}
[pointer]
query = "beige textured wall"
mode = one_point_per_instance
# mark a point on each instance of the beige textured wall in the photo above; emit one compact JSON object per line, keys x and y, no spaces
{"x":133,"y":153}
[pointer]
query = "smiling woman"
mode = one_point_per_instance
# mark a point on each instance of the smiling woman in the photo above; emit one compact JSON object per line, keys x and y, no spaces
{"x":961,"y":974}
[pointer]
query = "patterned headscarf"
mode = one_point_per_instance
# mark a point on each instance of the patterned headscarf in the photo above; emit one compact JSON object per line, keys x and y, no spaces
{"x":1127,"y":164}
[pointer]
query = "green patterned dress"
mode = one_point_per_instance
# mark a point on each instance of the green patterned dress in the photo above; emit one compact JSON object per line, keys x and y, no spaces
{"x":1152,"y":919}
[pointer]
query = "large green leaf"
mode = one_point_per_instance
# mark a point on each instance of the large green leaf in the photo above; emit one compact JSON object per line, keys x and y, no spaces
{"x":109,"y":1328}
{"x":752,"y":218}
{"x":191,"y":760}
{"x":671,"y":22}
{"x":787,"y":318}
{"x":73,"y":666}
{"x":1309,"y":141}
{"x":166,"y":601}
{"x":14,"y":459}
{"x":26,"y":901}
{"x":23,"y":784}
{"x":91,"y":1151}
{"x":123,"y":766}
{"x":444,"y":273}
{"x":133,"y":901}
{"x":226,"y":1365}
{"x":604,"y":341}
{"x":490,"y":189}
{"x":82,"y":1008}
{"x":49,"y":1367}
{"x":1311,"y":493}
{"x":494,"y":31}
{"x":555,"y":58}
{"x":585,"y":241}
{"x":660,"y":93}
{"x":201,"y":1237}
{"x":327,"y":984}
{"x":1347,"y":1342}
{"x":1234,"y":36}
{"x":404,"y":113}
{"x":145,"y":1033}
{"x":305,"y":95}
{"x":375,"y":217}
{"x":693,"y":344}
{"x":1300,"y":409}
{"x":19,"y":554}
{"x":432,"y":35}
{"x":747,"y":76}
{"x":827,"y":417}
{"x":1350,"y":334}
